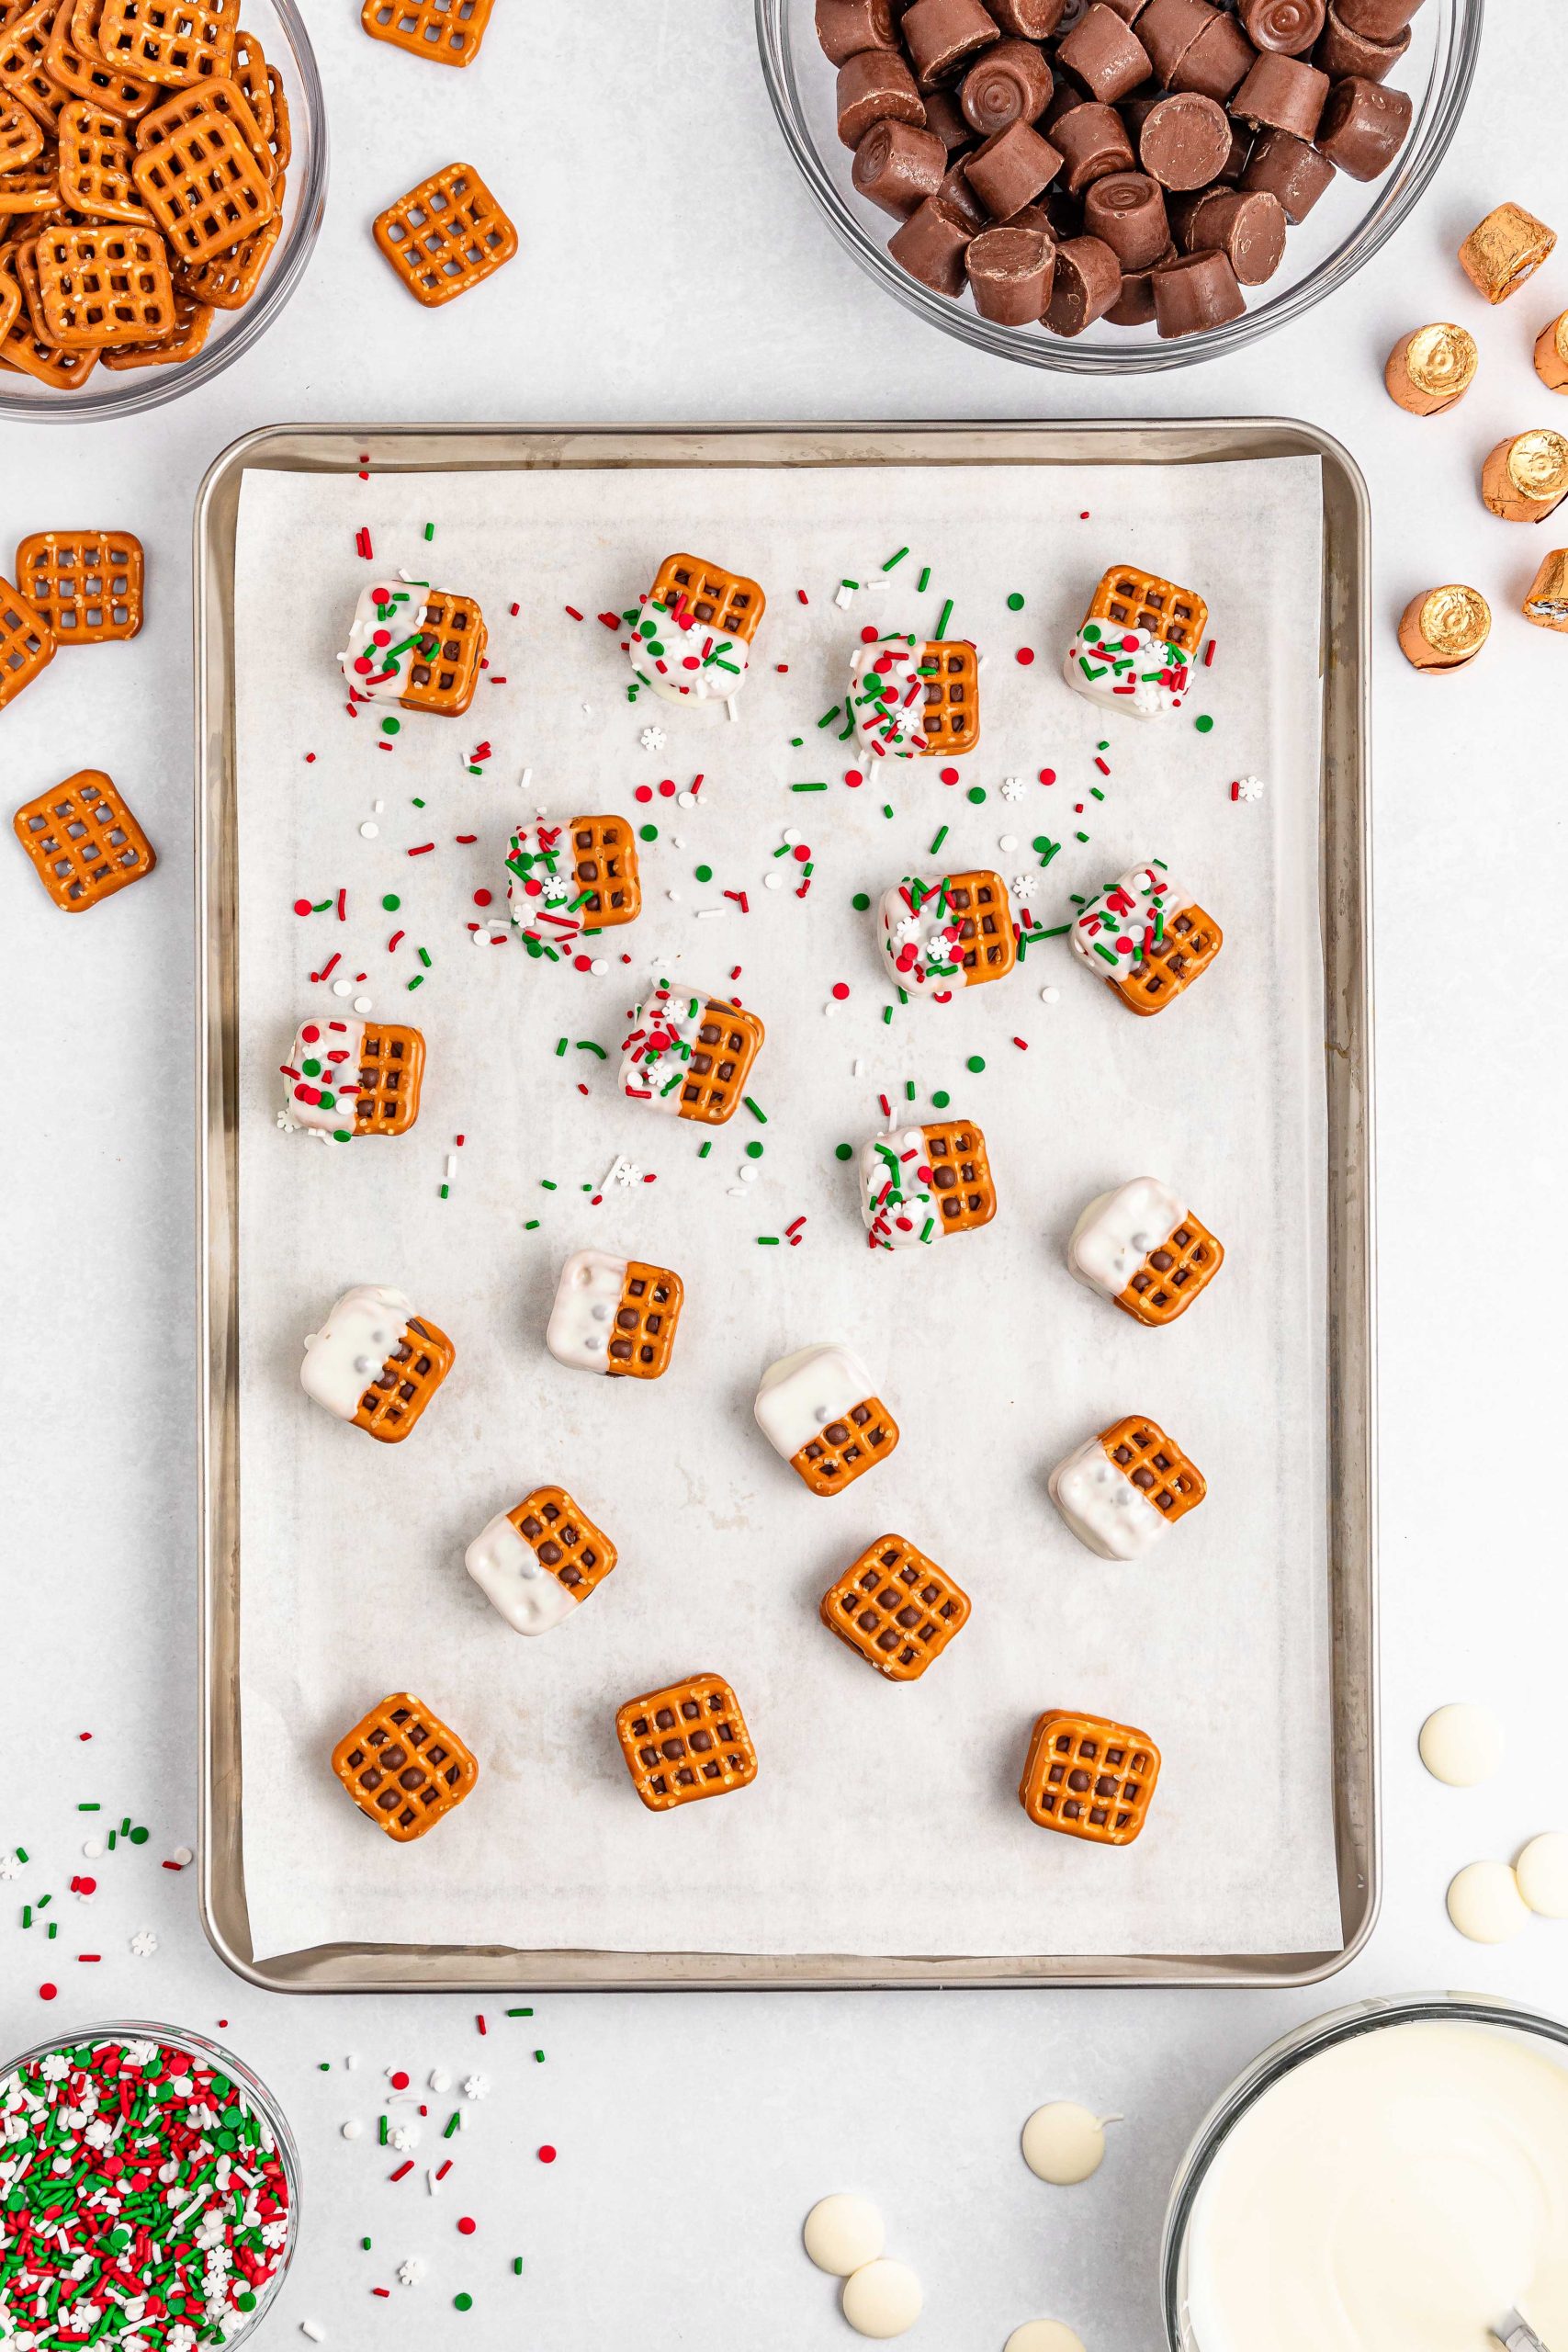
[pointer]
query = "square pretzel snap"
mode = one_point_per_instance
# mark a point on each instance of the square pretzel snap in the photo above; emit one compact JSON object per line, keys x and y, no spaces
{"x":538,"y":1563}
{"x":687,"y":1742}
{"x":895,"y":1608}
{"x":87,"y":584}
{"x":1088,"y":1777}
{"x":817,"y":1410}
{"x":446,"y":235}
{"x":375,"y":1362}
{"x":690,"y":1054}
{"x":1142,"y":1248}
{"x":405,"y":1768}
{"x":84,"y":840}
{"x":203,"y":177}
{"x":445,"y":32}
{"x":175,"y":43}
{"x":615,"y":1316}
{"x":26,"y":644}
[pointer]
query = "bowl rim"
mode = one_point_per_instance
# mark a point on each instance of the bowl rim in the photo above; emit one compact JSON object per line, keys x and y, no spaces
{"x":1448,"y":88}
{"x":150,"y":388}
{"x":1372,"y":2015}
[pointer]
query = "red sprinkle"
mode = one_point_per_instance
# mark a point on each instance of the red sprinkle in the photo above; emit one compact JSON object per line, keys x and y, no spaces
{"x":667,"y":789}
{"x":840,"y":989}
{"x":394,"y":939}
{"x":868,"y":635}
{"x":482,"y":897}
{"x":547,"y":2154}
{"x":574,"y":610}
{"x":801,"y":594}
{"x":643,"y":792}
{"x":467,"y":2225}
{"x":1209,"y":655}
{"x":1023,"y":1043}
{"x":442,"y":2170}
{"x":398,"y":2081}
{"x":480,"y":2023}
{"x":949,"y":776}
{"x":1100,"y":763}
{"x":802,"y":854}
{"x":611,"y":620}
{"x":403,"y":2172}
{"x":1047,"y":776}
{"x":327,"y":967}
{"x":382,"y":2291}
{"x":854,"y":776}
{"x":47,"y":1992}
{"x":302,"y":906}
{"x":1024,"y":656}
{"x":423,"y":850}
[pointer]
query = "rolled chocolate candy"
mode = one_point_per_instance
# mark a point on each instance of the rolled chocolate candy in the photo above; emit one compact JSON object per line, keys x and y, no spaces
{"x":1168,"y":30}
{"x":1064,"y":98}
{"x":897,"y":165}
{"x":1105,"y":55}
{"x":940,"y":37}
{"x":1185,"y":140}
{"x":1526,"y":479}
{"x":1234,"y":163}
{"x":1443,"y":628}
{"x":1249,"y":230}
{"x":1010,"y":170}
{"x":1364,"y":126}
{"x":1290,"y":169}
{"x":1289,"y":25}
{"x":1547,"y":604}
{"x":1283,"y":93}
{"x":1507,"y":247}
{"x":1218,"y":62}
{"x":1030,"y":19}
{"x":1379,"y":20}
{"x":1134,"y":306}
{"x":1126,"y":211}
{"x":1011,"y":271}
{"x":931,"y":245}
{"x":846,"y":27}
{"x":1093,"y":142}
{"x":1128,"y":10}
{"x":1010,"y":83}
{"x":1551,"y":354}
{"x":1195,"y":291}
{"x":955,"y":190}
{"x":1087,"y":283}
{"x":875,"y":85}
{"x":1341,"y":52}
{"x":945,"y":116}
{"x":1429,"y":370}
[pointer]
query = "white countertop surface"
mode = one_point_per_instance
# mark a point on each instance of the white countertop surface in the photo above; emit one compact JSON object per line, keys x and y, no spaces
{"x":694,"y":2132}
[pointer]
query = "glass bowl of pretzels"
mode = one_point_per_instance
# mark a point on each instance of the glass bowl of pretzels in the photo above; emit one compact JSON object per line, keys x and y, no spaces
{"x":1115,"y":186}
{"x":163,"y":177}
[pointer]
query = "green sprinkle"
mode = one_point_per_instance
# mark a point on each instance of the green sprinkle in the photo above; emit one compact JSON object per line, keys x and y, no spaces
{"x":1015,"y":603}
{"x":976,"y":1062}
{"x":430,"y":530}
{"x":23,"y":1855}
{"x":418,"y":804}
{"x":861,"y":901}
{"x":648,"y":832}
{"x":26,"y":1915}
{"x":44,"y":1901}
{"x":519,"y":2013}
{"x":755,"y":1150}
{"x":392,"y":727}
{"x":908,"y":1090}
{"x":51,"y":1931}
{"x":940,"y":837}
{"x":423,"y":954}
{"x":323,"y":2066}
{"x":417,"y":981}
{"x":391,"y":903}
{"x":704,"y":873}
{"x":753,"y":1107}
{"x":1059,"y":931}
{"x":139,"y":1837}
{"x":895,"y":559}
{"x":518,"y":2265}
{"x":452,"y":2122}
{"x":445,"y":1191}
{"x":977,"y":792}
{"x":888,"y":1012}
{"x":828,"y":716}
{"x":462,"y":2302}
{"x":809,"y":787}
{"x":89,"y":1808}
{"x":1204,"y":725}
{"x":366,"y":2244}
{"x":844,"y":1151}
{"x":560,"y":1048}
{"x":531,"y":1225}
{"x":941,"y":629}
{"x":888,"y":808}
{"x":942,"y":1098}
{"x":928,"y":1228}
{"x":924,"y":581}
{"x":795,"y":741}
{"x":1080,"y":837}
{"x":701,"y":1155}
{"x":767,"y":1241}
{"x":112,"y":1840}
{"x":590,"y":1045}
{"x":547,"y":1184}
{"x":1095,"y":793}
{"x":381,"y":2132}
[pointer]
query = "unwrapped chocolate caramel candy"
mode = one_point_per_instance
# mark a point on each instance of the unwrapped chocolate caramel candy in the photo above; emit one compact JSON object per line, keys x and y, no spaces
{"x":947,"y":119}
{"x":1290,"y":169}
{"x":1086,"y":282}
{"x":1248,"y":228}
{"x":1011,"y":269}
{"x":931,"y":245}
{"x":1126,"y":211}
{"x":1010,"y":83}
{"x":1283,"y":93}
{"x":1010,"y":170}
{"x":1289,"y":25}
{"x":1134,"y":306}
{"x":844,"y":27}
{"x":1380,"y":19}
{"x":1429,"y":370}
{"x":1032,"y":19}
{"x":1185,"y":141}
{"x":1105,"y":55}
{"x":1526,"y":479}
{"x":1363,"y":127}
{"x":1508,"y":246}
{"x":1168,"y":30}
{"x":1218,"y":62}
{"x":875,"y":85}
{"x":1195,"y":291}
{"x":1547,"y":604}
{"x":1443,"y":628}
{"x":1341,"y":52}
{"x":1551,"y":354}
{"x":1093,"y":142}
{"x":897,"y":165}
{"x":956,"y":191}
{"x":943,"y":35}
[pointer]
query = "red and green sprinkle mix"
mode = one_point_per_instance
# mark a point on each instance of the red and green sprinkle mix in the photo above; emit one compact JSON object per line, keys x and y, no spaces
{"x":142,"y":2200}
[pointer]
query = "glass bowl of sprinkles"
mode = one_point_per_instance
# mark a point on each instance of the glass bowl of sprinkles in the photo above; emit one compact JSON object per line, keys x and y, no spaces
{"x":149,"y":2192}
{"x":1354,"y":220}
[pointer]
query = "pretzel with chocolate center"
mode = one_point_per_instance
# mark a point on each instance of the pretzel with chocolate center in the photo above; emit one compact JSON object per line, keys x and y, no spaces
{"x":687,"y":1742}
{"x":405,"y":1768}
{"x":1088,"y":1777}
{"x":1136,"y":645}
{"x":920,"y":1184}
{"x":692,"y":636}
{"x":952,"y":931}
{"x":1122,"y":1492}
{"x":690,"y":1054}
{"x":613,"y":1314}
{"x":581,"y":875}
{"x":375,"y":1362}
{"x":540,"y":1561}
{"x":818,"y":1412}
{"x":895,"y":1608}
{"x":1141,"y":1247}
{"x":353,"y":1078}
{"x":416,"y":646}
{"x":1145,"y":938}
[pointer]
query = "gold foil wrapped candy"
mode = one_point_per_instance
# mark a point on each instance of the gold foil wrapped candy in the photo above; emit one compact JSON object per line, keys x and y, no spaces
{"x":1526,"y":478}
{"x":1429,"y":370}
{"x":1551,"y":354}
{"x":1510,"y":246}
{"x":1444,"y":627}
{"x":1547,"y":604}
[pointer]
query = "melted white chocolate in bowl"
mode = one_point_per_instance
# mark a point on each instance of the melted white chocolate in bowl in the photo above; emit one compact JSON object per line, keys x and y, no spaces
{"x":1399,"y":2192}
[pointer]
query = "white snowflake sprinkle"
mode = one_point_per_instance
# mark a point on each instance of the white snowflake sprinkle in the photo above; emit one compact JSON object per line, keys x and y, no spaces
{"x":476,"y":2087}
{"x":10,"y":1866}
{"x":1012,"y":787}
{"x":1024,"y":886}
{"x":143,"y":1943}
{"x":652,"y":738}
{"x":404,"y":2136}
{"x":1249,"y":787}
{"x":411,"y":2272}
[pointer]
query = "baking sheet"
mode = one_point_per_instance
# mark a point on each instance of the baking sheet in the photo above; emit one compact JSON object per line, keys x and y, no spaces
{"x":884,"y":1820}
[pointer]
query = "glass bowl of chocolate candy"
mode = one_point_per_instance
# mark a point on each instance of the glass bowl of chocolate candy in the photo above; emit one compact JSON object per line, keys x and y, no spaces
{"x":1112,"y":187}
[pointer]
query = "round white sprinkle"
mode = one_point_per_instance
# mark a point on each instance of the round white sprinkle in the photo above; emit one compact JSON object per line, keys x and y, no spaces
{"x":685,"y":800}
{"x":343,"y":987}
{"x":599,"y":964}
{"x":367,"y":832}
{"x":750,"y":1172}
{"x":182,"y":1854}
{"x":440,"y":2080}
{"x":843,"y":2233}
{"x":362,"y":1003}
{"x":772,"y":881}
{"x":831,"y":1011}
{"x":93,"y":1848}
{"x":1007,"y":842}
{"x":1050,"y":995}
{"x":792,"y":834}
{"x":352,"y":2128}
